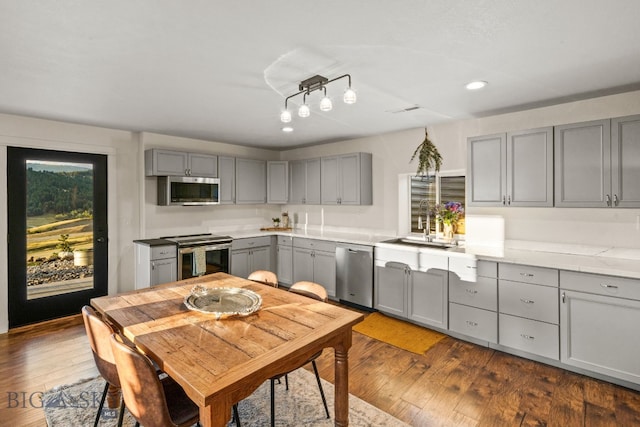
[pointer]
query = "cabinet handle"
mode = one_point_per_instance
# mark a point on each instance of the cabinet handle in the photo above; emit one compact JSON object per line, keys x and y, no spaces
{"x":606,"y":286}
{"x":471,"y":291}
{"x":471,"y":266}
{"x":615,"y":200}
{"x":470,"y":323}
{"x":608,"y":200}
{"x":563,"y":297}
{"x":304,"y":200}
{"x":528,"y":337}
{"x":527,"y":301}
{"x":509,"y":200}
{"x":504,"y":200}
{"x":526,"y":274}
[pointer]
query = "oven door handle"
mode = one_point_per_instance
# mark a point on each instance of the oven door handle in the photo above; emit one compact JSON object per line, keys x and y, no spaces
{"x":188,"y":250}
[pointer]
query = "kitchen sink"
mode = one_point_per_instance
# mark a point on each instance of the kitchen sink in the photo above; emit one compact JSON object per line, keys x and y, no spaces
{"x":420,"y":243}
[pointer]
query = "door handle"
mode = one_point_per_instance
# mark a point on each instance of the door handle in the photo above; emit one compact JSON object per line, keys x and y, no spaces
{"x":100,"y":239}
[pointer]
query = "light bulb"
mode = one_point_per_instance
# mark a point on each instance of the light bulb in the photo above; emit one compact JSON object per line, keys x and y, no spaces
{"x":326,"y":104}
{"x":475,"y":85}
{"x":349,"y":96}
{"x":285,"y":116}
{"x":304,"y":110}
{"x":287,"y":129}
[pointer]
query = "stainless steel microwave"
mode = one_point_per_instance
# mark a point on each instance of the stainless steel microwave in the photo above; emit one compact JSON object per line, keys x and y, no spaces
{"x":188,"y":191}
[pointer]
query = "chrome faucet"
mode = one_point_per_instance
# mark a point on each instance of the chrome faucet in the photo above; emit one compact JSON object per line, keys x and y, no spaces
{"x":425,"y":230}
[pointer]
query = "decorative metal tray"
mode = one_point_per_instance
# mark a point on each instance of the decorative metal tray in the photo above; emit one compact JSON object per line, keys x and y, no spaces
{"x":223,"y":302}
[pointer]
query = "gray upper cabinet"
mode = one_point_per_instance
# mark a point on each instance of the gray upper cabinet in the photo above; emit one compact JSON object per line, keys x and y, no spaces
{"x":625,"y":161}
{"x":583,"y":164}
{"x":160,"y":162}
{"x":277,"y":182}
{"x":346,"y":179}
{"x":305,"y":182}
{"x":513,"y":169}
{"x":251,"y":181}
{"x":227,"y":171}
{"x":486,"y":165}
{"x":598,"y":163}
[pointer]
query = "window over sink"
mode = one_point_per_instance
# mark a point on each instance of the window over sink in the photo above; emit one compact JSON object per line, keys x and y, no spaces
{"x":424,"y":193}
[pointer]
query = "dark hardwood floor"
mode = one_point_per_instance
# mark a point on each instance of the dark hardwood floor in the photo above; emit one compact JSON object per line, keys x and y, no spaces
{"x":454,"y":384}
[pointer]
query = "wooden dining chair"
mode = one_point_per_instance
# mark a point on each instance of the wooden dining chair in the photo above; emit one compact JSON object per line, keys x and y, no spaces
{"x":99,"y":334}
{"x":265,"y":277}
{"x":317,"y":292}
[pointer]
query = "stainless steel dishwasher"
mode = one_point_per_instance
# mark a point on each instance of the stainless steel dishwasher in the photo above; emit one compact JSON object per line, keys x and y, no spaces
{"x":354,"y":274}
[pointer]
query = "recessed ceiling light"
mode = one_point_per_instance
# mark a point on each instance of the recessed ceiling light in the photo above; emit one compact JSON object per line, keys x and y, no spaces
{"x":475,"y":85}
{"x":287,"y":129}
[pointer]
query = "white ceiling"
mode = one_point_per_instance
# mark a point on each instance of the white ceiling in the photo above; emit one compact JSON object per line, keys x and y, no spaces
{"x":220,"y":70}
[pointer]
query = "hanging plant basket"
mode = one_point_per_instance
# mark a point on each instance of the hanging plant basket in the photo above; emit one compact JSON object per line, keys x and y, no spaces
{"x":428,"y":156}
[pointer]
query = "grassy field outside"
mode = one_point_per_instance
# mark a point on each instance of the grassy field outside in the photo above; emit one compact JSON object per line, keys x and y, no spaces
{"x":43,"y":238}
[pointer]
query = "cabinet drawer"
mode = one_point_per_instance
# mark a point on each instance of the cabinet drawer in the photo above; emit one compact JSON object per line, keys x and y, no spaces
{"x":162,"y":252}
{"x":251,"y":242}
{"x":531,"y":301}
{"x":473,"y":322}
{"x":319,"y":245}
{"x":285,"y":240}
{"x":528,"y":274}
{"x":601,"y":285}
{"x":483,"y":293}
{"x":530,"y":336}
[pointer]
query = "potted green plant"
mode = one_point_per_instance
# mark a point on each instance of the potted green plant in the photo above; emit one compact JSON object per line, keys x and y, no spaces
{"x":66,"y":251}
{"x":428,"y":156}
{"x":276,"y":222}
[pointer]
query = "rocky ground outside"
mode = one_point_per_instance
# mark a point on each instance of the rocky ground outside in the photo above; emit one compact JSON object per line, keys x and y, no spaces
{"x":56,"y":271}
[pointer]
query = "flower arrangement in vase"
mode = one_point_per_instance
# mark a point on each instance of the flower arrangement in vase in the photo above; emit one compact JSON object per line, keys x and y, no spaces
{"x":449,"y":214}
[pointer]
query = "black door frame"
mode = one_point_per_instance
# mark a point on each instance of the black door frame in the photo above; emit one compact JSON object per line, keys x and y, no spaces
{"x":21,"y":310}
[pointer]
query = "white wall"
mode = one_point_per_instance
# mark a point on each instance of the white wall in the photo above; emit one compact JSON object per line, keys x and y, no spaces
{"x":391,"y":154}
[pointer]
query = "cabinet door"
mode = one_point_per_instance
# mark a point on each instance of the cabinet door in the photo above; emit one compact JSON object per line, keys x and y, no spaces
{"x":164,"y":271}
{"x":625,"y":161}
{"x":277,"y":182}
{"x":427,"y":299}
{"x":312,"y":187}
{"x":390,"y":288}
{"x":259,"y":259}
{"x":583,"y":164}
{"x":302,"y":265}
{"x":324,"y":271}
{"x":285,"y":264}
{"x":599,"y":333}
{"x":329,"y":180}
{"x":240,"y":263}
{"x":530,"y":167}
{"x":298,"y":181}
{"x":349,"y":179}
{"x":227,"y":170}
{"x":203,"y":165}
{"x":251,"y":177}
{"x":486,"y":164}
{"x":166,"y":162}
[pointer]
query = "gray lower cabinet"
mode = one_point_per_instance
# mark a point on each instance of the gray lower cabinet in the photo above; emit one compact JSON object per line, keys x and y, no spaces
{"x":315,"y":261}
{"x":528,"y":309}
{"x":597,"y":163}
{"x":250,"y":254}
{"x":473,"y":305}
{"x":251,"y":181}
{"x":285,"y":260}
{"x":304,"y":181}
{"x":415,"y":295}
{"x":346,"y":179}
{"x":599,"y":317}
{"x":227,"y":171}
{"x":512,"y":169}
{"x":155,"y":264}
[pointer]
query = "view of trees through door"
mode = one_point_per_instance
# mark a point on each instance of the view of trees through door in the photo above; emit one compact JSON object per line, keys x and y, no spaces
{"x":57,"y":232}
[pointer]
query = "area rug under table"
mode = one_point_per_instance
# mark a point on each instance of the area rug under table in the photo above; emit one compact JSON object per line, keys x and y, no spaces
{"x":398,"y":333}
{"x":76,"y":405}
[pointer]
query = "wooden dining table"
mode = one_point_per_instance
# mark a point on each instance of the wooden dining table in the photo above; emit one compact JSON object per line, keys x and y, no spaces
{"x":220,"y":362}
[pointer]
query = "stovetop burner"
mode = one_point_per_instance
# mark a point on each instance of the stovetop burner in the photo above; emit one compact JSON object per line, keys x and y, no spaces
{"x":198,"y":239}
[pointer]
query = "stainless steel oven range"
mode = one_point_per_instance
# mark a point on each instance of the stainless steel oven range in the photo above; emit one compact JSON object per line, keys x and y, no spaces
{"x":200,"y":254}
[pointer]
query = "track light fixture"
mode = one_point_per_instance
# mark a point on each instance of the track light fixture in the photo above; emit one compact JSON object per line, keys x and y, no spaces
{"x":312,"y":84}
